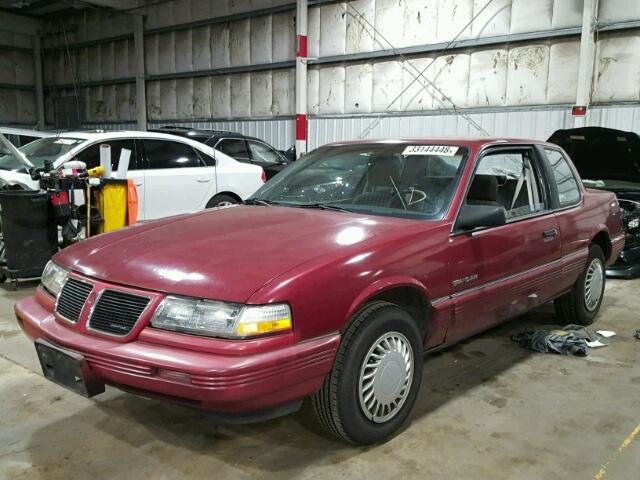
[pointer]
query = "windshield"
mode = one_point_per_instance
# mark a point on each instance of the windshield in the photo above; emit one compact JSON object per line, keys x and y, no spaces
{"x":401,"y":180}
{"x":49,"y":148}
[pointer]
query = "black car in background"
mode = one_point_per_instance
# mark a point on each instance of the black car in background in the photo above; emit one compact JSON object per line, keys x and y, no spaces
{"x":241,"y":147}
{"x":609,"y":159}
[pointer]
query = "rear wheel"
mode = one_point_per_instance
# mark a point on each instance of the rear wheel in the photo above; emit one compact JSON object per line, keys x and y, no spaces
{"x":580,"y":306}
{"x":376,"y":376}
{"x":221,"y":201}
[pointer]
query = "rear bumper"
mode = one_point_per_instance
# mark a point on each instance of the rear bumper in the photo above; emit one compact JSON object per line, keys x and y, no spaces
{"x":230,"y":384}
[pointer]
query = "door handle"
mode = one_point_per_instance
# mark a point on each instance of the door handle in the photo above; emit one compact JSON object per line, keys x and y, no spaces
{"x":203,"y":180}
{"x":550,"y":234}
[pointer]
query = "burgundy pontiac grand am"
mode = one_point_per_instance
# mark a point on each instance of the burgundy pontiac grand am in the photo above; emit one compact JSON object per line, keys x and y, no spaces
{"x":331,"y":282}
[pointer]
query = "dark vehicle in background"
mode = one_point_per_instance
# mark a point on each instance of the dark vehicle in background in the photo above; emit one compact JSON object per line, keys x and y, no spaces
{"x":609,"y":159}
{"x":240,"y":147}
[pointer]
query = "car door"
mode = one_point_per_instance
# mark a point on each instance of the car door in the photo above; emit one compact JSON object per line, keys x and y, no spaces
{"x":575,"y":224}
{"x":91,"y":157}
{"x":266,"y":157}
{"x":236,"y":148}
{"x":500,"y":272}
{"x":177,"y":180}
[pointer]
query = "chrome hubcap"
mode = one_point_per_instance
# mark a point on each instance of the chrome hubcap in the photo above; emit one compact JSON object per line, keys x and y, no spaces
{"x":224,"y":203}
{"x":593,"y":284}
{"x":385,"y":377}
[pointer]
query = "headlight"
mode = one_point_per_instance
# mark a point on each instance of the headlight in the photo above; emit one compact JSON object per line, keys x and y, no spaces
{"x":54,"y":277}
{"x":220,"y":319}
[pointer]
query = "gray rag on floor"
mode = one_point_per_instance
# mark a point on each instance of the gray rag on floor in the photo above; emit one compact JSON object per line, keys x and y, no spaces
{"x":569,"y":340}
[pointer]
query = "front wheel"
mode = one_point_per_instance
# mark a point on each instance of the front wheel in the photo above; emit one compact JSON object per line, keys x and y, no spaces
{"x":221,"y":200}
{"x":375,"y":380}
{"x":581,"y":305}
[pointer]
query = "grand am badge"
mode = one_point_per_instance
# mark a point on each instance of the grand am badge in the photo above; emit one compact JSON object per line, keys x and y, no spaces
{"x":461,"y":281}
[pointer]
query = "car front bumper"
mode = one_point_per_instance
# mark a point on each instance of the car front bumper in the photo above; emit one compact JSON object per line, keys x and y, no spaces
{"x":627,"y":264}
{"x":235,"y":385}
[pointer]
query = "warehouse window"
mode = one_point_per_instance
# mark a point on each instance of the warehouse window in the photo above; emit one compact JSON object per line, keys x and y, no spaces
{"x":163,"y":154}
{"x":234,"y":147}
{"x":261,"y":153}
{"x":568,"y":190}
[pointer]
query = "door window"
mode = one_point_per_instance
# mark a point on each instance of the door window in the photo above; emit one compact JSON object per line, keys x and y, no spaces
{"x":262,"y":153}
{"x":234,"y":147}
{"x":165,"y":154}
{"x":91,"y":155}
{"x":519,"y":188}
{"x":568,"y":190}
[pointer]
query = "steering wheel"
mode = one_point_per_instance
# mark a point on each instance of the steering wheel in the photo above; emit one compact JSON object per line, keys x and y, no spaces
{"x":414,"y":196}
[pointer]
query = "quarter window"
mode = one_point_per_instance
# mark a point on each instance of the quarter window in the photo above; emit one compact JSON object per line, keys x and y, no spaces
{"x":234,"y":147}
{"x":519,"y":188}
{"x":568,"y":190}
{"x":261,"y":153}
{"x":165,"y":154}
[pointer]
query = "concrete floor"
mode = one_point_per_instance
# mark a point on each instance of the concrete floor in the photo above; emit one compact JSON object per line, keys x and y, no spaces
{"x":487,"y":409}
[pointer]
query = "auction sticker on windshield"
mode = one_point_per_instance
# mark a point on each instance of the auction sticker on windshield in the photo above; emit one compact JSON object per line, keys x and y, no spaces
{"x":444,"y":150}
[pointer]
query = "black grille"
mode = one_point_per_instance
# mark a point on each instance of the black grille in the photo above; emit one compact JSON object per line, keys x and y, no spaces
{"x":72,"y":298}
{"x":117,"y":312}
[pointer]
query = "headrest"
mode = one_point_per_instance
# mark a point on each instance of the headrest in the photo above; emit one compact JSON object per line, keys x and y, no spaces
{"x":381,"y":170}
{"x":484,"y":188}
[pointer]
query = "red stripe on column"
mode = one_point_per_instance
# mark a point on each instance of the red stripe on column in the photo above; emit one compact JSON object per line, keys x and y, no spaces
{"x":302,"y":46}
{"x":301,"y":126}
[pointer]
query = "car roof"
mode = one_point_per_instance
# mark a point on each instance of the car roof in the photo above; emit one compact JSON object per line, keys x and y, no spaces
{"x":115,"y":134}
{"x":26,"y":132}
{"x":198,"y":132}
{"x":474,"y":142}
{"x":99,"y":135}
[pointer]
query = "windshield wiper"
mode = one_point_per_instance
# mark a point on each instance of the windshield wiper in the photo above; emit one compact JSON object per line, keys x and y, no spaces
{"x":322,"y":206}
{"x":259,"y":201}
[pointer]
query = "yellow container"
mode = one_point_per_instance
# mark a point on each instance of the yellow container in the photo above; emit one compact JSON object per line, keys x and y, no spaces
{"x":111,"y":201}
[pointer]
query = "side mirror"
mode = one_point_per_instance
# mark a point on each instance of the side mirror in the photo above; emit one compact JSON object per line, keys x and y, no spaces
{"x":476,"y":216}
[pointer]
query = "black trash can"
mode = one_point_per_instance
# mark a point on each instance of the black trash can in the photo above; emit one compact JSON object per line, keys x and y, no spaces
{"x":29,"y":232}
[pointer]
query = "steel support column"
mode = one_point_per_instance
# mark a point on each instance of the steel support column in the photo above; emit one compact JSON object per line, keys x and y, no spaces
{"x":141,"y":94}
{"x":301,"y":78}
{"x":37,"y":74}
{"x":587,"y":52}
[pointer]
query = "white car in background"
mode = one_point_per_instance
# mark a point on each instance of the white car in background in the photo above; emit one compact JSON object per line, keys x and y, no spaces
{"x":21,"y":136}
{"x":173,"y":175}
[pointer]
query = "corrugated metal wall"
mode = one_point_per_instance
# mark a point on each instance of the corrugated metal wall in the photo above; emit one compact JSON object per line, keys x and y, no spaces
{"x":524,"y":123}
{"x":537,"y":123}
{"x":208,"y":62}
{"x":17,"y":94}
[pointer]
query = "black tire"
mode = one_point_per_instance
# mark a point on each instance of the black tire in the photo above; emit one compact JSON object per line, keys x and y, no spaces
{"x":337,"y":404}
{"x":572,"y":306}
{"x":220,"y":200}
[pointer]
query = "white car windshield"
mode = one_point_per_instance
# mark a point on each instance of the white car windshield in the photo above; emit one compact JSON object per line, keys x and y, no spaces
{"x":50,"y":148}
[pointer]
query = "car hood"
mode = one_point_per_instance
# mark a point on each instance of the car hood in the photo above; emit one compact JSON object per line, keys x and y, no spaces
{"x":224,"y":254}
{"x":602,"y":153}
{"x":17,"y":158}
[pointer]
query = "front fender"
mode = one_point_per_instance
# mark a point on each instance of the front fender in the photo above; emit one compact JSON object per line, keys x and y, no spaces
{"x":382,"y":285}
